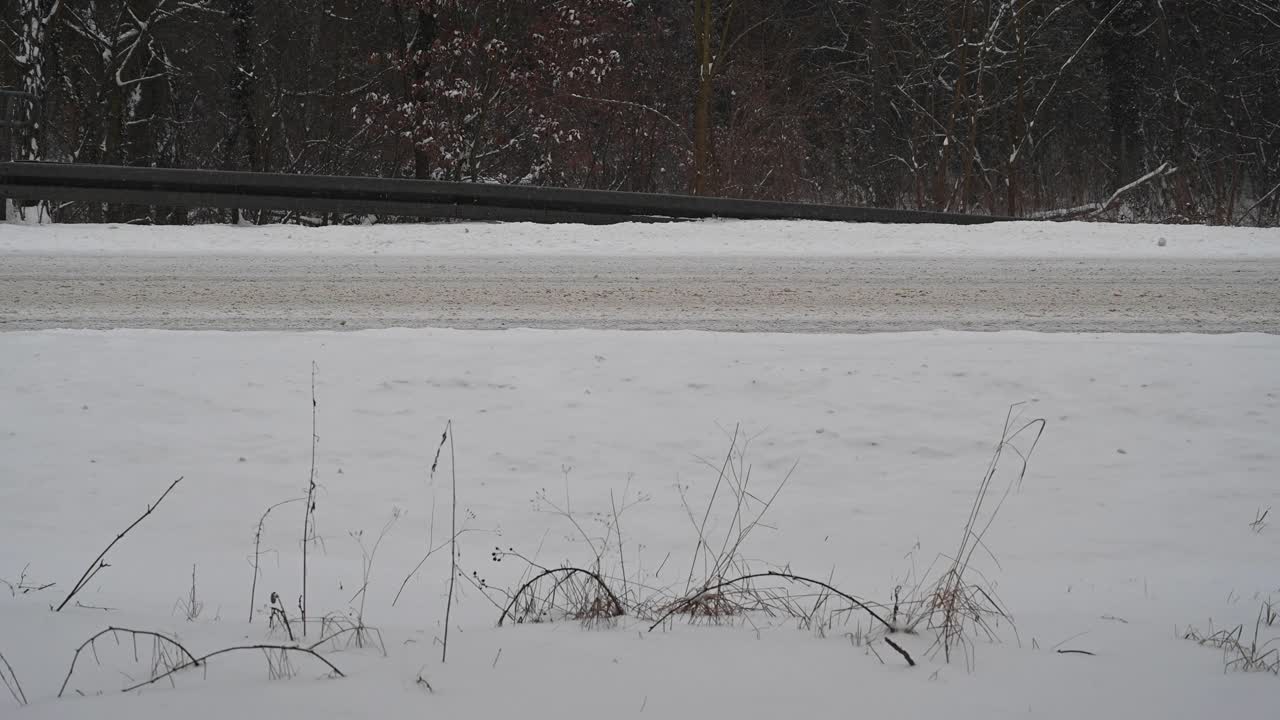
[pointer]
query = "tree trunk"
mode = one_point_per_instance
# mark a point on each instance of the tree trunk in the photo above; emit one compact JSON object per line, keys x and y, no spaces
{"x":242,"y":142}
{"x":242,"y":145}
{"x":702,"y":104}
{"x":427,"y":30}
{"x":1018,"y":124}
{"x":35,"y":17}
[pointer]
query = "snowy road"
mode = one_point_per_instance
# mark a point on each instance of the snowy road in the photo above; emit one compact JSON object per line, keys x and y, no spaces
{"x":747,"y":293}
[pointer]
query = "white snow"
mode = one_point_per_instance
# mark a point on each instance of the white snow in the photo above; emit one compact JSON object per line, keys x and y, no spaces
{"x":1132,"y":523}
{"x":713,"y":237}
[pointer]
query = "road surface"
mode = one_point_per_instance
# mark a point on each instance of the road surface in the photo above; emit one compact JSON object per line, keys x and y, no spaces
{"x":779,"y":294}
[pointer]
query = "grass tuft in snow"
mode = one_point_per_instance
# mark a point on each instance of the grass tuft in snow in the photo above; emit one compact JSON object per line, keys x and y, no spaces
{"x":1260,"y":519}
{"x":769,"y":600}
{"x":352,"y":632}
{"x":728,"y":585}
{"x":1255,"y":654}
{"x":723,"y":586}
{"x":191,"y":605}
{"x":962,"y":602}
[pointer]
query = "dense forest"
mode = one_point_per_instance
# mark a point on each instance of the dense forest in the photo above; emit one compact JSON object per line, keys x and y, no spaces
{"x":1162,"y":110}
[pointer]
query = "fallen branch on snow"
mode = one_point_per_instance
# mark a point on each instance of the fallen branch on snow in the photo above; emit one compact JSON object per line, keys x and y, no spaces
{"x":1097,"y":208}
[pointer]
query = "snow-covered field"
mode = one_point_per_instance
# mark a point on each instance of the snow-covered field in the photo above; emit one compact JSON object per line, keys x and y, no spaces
{"x":1133,"y":521}
{"x":712,"y":237}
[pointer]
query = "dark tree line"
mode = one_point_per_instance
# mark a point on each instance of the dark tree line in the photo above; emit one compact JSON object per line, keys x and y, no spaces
{"x":1149,"y":109}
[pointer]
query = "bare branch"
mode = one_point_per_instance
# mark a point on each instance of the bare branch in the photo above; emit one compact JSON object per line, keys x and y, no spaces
{"x":98,"y":563}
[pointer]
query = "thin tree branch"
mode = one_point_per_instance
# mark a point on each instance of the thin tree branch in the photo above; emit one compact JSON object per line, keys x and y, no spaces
{"x":97,"y":563}
{"x":906,"y":656}
{"x":638,"y":106}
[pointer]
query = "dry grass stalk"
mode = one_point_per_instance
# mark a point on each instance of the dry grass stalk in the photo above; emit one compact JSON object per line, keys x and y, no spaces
{"x":191,"y":606}
{"x":279,"y":617}
{"x":10,"y":679}
{"x":367,"y":556}
{"x":308,"y":521}
{"x":453,"y":536}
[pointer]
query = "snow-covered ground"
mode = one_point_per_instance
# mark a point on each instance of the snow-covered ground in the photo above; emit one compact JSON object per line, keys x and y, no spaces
{"x":1132,"y":523}
{"x":714,"y":237}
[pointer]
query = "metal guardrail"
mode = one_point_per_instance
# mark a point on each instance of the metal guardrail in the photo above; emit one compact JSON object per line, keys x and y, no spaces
{"x":418,"y":198}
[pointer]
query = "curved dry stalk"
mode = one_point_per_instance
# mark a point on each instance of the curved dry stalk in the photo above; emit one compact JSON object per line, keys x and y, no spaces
{"x":688,"y":602}
{"x":257,"y":550}
{"x":611,"y":607}
{"x":197,"y":661}
{"x":98,"y":563}
{"x":191,"y":659}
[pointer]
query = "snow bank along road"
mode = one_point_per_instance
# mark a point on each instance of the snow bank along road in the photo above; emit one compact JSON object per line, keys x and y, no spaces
{"x":790,"y":277}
